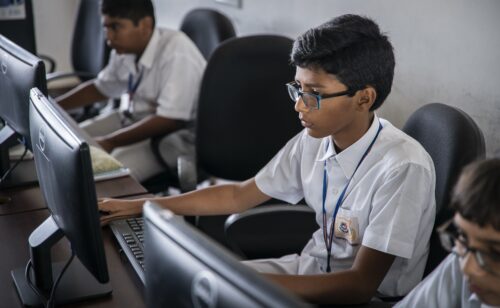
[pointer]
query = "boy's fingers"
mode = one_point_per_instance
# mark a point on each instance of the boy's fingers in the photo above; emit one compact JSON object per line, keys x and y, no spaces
{"x":105,"y":207}
{"x":105,"y":219}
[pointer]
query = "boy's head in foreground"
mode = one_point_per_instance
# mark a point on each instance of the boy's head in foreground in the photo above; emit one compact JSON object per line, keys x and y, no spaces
{"x":474,"y":233}
{"x":349,"y":63}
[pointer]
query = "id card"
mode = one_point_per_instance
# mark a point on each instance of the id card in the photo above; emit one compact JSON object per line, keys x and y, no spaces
{"x":126,"y":103}
{"x":347,"y":228}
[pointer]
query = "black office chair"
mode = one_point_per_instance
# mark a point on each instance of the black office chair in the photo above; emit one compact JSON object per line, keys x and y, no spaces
{"x":89,"y":53}
{"x":447,"y":133}
{"x":292,"y":227}
{"x":244,"y":114}
{"x":452,"y":139}
{"x":207,"y":28}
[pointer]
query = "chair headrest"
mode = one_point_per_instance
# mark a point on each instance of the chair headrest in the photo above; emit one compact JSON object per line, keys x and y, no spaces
{"x":452,"y":139}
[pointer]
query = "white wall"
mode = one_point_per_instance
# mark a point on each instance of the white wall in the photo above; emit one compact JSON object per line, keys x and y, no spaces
{"x":54,"y":23}
{"x":446,"y":50}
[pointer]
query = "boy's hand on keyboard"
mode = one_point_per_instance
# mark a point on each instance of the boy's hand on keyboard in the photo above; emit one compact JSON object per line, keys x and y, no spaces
{"x":112,"y":209}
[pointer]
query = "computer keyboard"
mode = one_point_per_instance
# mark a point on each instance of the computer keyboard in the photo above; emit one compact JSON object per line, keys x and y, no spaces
{"x":129,"y":233}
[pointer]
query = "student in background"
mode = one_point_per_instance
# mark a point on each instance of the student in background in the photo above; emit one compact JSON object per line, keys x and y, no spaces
{"x":470,"y":275}
{"x":371,"y":186}
{"x":157,"y":74}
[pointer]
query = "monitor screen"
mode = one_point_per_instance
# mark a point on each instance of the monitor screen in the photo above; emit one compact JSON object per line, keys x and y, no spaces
{"x":20,"y":71}
{"x":64,"y":170}
{"x":185,"y":268}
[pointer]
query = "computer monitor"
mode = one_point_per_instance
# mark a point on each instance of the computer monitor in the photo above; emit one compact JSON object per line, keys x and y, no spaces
{"x":185,"y":268}
{"x":64,"y":170}
{"x":19,"y":72}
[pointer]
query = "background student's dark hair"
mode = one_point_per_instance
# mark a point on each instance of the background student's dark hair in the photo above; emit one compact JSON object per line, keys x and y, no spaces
{"x":352,"y":48}
{"x":476,"y":196}
{"x":134,"y":10}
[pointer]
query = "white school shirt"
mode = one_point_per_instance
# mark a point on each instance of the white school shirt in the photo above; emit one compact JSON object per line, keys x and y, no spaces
{"x":388,"y":206}
{"x":172,"y":71}
{"x":444,"y":287}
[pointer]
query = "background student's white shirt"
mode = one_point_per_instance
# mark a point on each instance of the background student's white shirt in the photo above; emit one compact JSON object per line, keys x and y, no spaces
{"x":172,"y":68}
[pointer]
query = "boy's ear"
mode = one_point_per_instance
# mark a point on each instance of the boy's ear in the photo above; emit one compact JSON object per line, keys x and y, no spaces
{"x":367,"y":97}
{"x":146,"y":23}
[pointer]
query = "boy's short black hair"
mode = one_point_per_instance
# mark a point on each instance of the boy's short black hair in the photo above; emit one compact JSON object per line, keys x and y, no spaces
{"x":352,"y":48}
{"x":134,"y":10}
{"x":476,"y":197}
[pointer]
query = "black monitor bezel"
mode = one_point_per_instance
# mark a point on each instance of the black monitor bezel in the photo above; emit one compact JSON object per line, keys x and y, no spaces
{"x":90,"y":251}
{"x":15,"y":55}
{"x":207,"y":253}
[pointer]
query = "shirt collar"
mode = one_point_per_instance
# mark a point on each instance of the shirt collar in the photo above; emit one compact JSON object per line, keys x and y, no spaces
{"x":349,"y":158}
{"x":150,"y":51}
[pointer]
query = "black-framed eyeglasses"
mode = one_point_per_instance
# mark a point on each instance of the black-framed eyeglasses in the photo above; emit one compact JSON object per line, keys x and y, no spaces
{"x":311,"y":100}
{"x":455,"y":242}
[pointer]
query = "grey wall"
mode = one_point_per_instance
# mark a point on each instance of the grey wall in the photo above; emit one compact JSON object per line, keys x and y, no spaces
{"x":54,"y":22}
{"x":446,"y":50}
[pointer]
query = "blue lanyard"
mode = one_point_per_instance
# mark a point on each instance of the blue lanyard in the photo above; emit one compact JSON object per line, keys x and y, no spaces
{"x":132,"y":87}
{"x":329,"y":237}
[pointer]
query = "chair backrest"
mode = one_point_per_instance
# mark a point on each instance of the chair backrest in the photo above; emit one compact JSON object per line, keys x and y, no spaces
{"x":452,"y":139}
{"x":89,"y":52}
{"x":244,"y":113}
{"x":207,"y":28}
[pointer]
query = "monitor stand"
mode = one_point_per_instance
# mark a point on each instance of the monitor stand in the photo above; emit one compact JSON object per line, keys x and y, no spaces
{"x":77,"y":283}
{"x":24,"y":173}
{"x":22,"y":176}
{"x":7,"y":138}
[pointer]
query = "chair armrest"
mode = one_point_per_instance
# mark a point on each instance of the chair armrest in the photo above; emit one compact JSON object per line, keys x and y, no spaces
{"x":62,"y":75}
{"x":51,"y":63}
{"x":187,"y":173}
{"x":270,"y":231}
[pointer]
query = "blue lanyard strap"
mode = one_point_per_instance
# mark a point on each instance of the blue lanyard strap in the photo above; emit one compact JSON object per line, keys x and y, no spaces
{"x":132,"y":87}
{"x":328,"y":237}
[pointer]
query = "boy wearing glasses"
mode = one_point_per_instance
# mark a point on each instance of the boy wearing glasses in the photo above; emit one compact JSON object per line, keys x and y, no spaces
{"x":372,"y":186}
{"x":470,"y":275}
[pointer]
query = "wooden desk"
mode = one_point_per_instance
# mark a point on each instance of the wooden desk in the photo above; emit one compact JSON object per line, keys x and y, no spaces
{"x":14,"y":232}
{"x":29,"y":199}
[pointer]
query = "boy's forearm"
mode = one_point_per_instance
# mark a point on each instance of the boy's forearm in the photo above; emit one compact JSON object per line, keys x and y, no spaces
{"x":216,"y":200}
{"x":353,"y":286}
{"x":344,"y":287}
{"x":82,"y":95}
{"x":149,"y":127}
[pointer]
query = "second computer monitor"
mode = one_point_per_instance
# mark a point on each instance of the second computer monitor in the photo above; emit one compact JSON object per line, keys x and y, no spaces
{"x":64,"y":170}
{"x":184,"y":268}
{"x":20,"y":71}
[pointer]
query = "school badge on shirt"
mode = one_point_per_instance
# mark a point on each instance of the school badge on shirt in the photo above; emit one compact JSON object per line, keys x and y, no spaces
{"x":347,"y":228}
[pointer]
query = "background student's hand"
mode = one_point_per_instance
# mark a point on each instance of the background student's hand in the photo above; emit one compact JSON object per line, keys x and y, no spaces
{"x":112,"y":209}
{"x":105,"y":144}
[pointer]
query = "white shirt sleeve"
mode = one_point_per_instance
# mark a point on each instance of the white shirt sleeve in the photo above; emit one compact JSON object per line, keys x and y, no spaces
{"x":442,"y":288}
{"x":108,"y":80}
{"x":280,"y":178}
{"x":180,"y":79}
{"x":401,"y":209}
